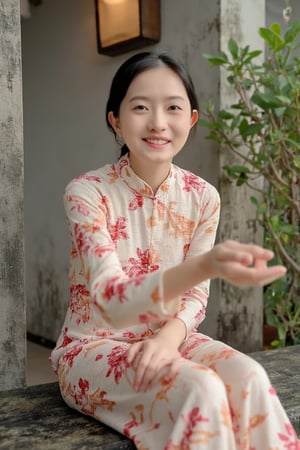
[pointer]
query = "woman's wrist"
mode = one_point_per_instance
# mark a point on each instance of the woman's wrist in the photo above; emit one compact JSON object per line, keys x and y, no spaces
{"x":174,"y":330}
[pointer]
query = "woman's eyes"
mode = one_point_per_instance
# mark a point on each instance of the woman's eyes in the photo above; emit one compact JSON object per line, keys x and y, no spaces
{"x":145,"y":108}
{"x":175,"y":108}
{"x":141,"y":108}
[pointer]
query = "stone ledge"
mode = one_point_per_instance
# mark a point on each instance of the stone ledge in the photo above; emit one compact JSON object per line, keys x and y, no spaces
{"x":283,"y":368}
{"x":37,"y":418}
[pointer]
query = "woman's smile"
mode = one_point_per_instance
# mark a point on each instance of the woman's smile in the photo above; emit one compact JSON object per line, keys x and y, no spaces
{"x":157,"y":142}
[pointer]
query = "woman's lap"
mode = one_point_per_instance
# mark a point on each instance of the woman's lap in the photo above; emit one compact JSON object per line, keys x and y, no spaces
{"x":214,"y":382}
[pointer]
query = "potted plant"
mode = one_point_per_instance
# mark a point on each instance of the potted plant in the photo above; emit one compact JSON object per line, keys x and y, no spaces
{"x":262,"y":128}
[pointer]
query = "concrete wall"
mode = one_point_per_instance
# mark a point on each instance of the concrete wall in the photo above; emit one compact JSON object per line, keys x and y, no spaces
{"x":65,"y":89}
{"x":12,"y":298}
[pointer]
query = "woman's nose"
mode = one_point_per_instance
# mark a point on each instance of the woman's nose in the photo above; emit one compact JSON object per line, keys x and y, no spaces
{"x":157,"y":122}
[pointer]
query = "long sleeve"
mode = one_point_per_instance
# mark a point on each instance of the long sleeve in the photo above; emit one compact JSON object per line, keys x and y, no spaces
{"x":194,"y":302}
{"x":120,"y":299}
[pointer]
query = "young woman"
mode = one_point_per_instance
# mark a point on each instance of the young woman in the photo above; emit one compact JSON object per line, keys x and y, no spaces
{"x":142,"y":233}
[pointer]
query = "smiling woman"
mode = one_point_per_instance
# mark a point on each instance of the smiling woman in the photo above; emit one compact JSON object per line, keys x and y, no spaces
{"x":143,"y":232}
{"x":155,"y":125}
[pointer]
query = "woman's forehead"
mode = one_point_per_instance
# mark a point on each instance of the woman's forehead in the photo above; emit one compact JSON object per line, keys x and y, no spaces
{"x":159,"y":80}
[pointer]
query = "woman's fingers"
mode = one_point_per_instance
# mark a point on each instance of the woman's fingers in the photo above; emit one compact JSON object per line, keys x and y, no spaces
{"x":163,"y":369}
{"x":246,"y":254}
{"x":244,"y":264}
{"x":258,"y":275}
{"x":167,"y":372}
{"x":144,"y":371}
{"x":149,"y":362}
{"x":133,"y":351}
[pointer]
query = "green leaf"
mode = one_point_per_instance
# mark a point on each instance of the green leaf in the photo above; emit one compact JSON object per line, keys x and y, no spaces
{"x":243,"y":125}
{"x":252,"y":55}
{"x":281,"y":333}
{"x":275,"y":344}
{"x":230,"y":79}
{"x":210,"y":106}
{"x":294,"y":143}
{"x":214,"y":137}
{"x":296,"y":162}
{"x":283,"y":83}
{"x":292,"y":31}
{"x":274,"y":220}
{"x":261,"y":100}
{"x":263,"y":208}
{"x":251,"y":129}
{"x":233,"y":48}
{"x":218,"y":60}
{"x":283,"y":99}
{"x":245,"y":51}
{"x":235,"y":122}
{"x":254,"y":200}
{"x":279,"y":111}
{"x":276,"y":28}
{"x":205,"y":123}
{"x":278,"y":134}
{"x":241,"y":179}
{"x":274,"y":40}
{"x":267,"y":101}
{"x":236,"y":171}
{"x":225,"y":115}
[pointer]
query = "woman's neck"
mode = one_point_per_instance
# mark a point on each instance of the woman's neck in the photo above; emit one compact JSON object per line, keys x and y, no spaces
{"x":153,"y":174}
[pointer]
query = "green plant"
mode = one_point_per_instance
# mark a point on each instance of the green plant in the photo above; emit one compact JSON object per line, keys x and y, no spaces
{"x":262,"y":128}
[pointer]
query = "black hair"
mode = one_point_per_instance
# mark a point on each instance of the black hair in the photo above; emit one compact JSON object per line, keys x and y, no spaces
{"x":132,"y":67}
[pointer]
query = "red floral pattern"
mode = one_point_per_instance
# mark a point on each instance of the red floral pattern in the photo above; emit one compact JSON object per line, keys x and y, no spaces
{"x":117,"y":361}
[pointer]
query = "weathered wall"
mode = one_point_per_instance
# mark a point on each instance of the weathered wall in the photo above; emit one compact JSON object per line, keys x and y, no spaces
{"x":66,"y":84}
{"x":12,"y":301}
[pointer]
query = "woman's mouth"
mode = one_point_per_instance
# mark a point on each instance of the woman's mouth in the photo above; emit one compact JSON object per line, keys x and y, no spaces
{"x":156,"y":141}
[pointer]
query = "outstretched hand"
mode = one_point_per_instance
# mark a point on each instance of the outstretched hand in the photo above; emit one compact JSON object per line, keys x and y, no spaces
{"x":243,"y":264}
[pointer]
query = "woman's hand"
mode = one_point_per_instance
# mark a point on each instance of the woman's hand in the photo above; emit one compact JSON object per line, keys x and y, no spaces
{"x":242,"y":264}
{"x":153,"y":359}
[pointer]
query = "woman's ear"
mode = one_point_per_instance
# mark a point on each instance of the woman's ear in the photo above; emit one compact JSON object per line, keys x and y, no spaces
{"x":194,"y":118}
{"x":115,"y":122}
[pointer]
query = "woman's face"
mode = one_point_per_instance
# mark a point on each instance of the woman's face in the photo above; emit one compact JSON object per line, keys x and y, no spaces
{"x":155,"y":118}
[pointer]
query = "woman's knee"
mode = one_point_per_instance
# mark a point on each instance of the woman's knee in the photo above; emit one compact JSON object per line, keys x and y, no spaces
{"x":260,"y":377}
{"x":248,"y":366}
{"x":201,"y":382}
{"x":250,"y":375}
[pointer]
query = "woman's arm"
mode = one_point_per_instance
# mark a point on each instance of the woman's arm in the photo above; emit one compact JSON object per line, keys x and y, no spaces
{"x":239,"y":264}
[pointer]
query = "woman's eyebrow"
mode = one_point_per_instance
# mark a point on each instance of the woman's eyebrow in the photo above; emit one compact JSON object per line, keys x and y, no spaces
{"x":142,"y":97}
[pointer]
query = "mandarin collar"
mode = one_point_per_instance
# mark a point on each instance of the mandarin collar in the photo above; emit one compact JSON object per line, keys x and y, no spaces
{"x":135,"y":183}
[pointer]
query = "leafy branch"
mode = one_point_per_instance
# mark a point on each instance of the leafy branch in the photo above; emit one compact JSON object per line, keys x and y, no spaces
{"x":262,"y":129}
